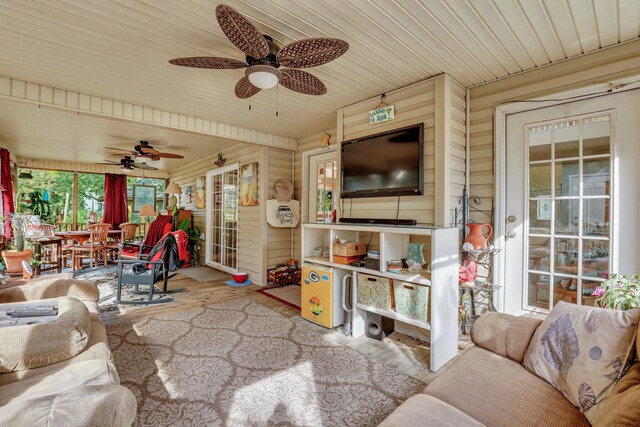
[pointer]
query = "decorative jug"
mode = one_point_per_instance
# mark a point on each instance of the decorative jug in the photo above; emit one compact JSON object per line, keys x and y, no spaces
{"x":476,"y":237}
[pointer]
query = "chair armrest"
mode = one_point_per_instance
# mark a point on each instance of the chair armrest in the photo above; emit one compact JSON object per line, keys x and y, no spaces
{"x":84,"y":290}
{"x":504,"y":334}
{"x":134,"y":244}
{"x":139,"y":261}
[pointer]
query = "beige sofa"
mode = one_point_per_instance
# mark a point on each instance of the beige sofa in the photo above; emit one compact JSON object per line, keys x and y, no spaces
{"x":488,"y":386}
{"x":61,"y":373}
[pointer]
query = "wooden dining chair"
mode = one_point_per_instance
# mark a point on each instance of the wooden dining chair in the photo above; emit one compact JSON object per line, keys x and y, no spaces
{"x":96,"y":245}
{"x":48,"y":229}
{"x":49,"y":254}
{"x":127,"y":234}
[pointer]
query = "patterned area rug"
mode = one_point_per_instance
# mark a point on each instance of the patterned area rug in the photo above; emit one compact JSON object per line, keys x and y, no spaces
{"x":107,"y":281}
{"x":240,"y":363}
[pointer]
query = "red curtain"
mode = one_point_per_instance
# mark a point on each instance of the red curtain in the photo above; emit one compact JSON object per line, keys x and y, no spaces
{"x":7,"y":195}
{"x":115,"y":200}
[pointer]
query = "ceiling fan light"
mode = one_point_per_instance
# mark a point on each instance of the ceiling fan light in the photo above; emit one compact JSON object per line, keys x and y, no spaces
{"x":263,"y":76}
{"x":126,"y":170}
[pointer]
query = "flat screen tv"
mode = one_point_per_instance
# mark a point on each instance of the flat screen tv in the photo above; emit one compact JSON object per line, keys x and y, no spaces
{"x":386,"y":164}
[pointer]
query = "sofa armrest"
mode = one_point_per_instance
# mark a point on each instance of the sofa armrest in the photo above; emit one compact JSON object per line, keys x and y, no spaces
{"x":504,"y":334}
{"x":84,"y":290}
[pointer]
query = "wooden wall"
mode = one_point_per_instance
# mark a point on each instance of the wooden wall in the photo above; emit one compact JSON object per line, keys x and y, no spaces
{"x":598,"y":67}
{"x":306,"y":144}
{"x":413,"y":104}
{"x":458,"y":144}
{"x":249,"y":217}
{"x":279,"y":240}
{"x":87,"y":168}
{"x":259,"y":245}
{"x":440,"y":104}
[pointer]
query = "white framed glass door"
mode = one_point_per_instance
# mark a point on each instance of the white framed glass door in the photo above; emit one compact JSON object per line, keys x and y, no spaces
{"x":323,"y":172}
{"x":567,"y":237}
{"x":570,"y":170}
{"x":222,"y":218}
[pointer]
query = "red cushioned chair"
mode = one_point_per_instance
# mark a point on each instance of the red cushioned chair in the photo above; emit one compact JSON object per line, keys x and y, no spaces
{"x":157,"y":230}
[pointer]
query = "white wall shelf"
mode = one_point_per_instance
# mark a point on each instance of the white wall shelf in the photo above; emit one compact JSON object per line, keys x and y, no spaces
{"x":442,"y":277}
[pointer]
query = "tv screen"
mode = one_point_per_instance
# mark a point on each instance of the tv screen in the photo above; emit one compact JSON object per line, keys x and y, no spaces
{"x":386,"y":164}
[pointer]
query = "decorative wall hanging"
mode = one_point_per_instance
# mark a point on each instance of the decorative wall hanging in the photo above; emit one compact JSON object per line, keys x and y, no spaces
{"x":186,"y":196}
{"x":283,"y":211}
{"x":382,"y":112}
{"x":249,"y":184}
{"x":200,"y":191}
{"x":220,"y":162}
{"x":283,"y":214}
{"x":326,"y":140}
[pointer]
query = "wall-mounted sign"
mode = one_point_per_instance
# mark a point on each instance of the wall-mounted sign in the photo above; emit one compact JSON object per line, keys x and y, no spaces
{"x":382,"y":114}
{"x":283,"y":214}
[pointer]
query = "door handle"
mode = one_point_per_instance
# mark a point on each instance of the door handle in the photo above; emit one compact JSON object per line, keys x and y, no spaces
{"x":510,"y":234}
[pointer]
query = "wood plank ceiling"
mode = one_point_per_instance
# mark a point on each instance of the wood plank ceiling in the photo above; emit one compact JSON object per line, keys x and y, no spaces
{"x":120,"y":48}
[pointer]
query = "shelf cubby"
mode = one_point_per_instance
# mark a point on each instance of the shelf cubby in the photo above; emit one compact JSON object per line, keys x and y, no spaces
{"x":441,"y":256}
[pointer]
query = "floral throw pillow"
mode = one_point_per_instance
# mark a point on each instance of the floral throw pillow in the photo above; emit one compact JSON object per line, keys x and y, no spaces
{"x":583,"y":351}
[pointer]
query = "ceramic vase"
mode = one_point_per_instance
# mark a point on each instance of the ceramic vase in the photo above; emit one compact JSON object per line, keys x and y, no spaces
{"x":415,"y":253}
{"x":476,"y":237}
{"x":415,"y":260}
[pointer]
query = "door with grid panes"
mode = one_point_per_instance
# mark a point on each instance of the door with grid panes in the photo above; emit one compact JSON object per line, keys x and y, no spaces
{"x":222,"y":218}
{"x":323,"y":171}
{"x":565,"y":232}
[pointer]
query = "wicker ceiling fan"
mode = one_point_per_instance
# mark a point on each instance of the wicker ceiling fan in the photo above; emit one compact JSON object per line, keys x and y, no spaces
{"x":264,"y":58}
{"x":144,"y":150}
{"x":127,"y":164}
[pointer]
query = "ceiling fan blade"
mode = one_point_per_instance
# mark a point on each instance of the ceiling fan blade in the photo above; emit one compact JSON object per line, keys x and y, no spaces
{"x":244,"y":88}
{"x":241,"y":32}
{"x":118,"y":149}
{"x":311,"y":52}
{"x":210,"y":62}
{"x":169,"y":156}
{"x":144,"y":166}
{"x":109,"y":162}
{"x":303,"y":82}
{"x":148,"y":150}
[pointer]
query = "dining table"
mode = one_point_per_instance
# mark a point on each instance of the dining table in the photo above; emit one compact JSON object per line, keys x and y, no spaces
{"x":81,"y":237}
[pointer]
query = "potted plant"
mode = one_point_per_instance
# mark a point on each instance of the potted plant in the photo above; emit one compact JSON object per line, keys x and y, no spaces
{"x":619,"y":292}
{"x":193,"y":248}
{"x":13,"y":257}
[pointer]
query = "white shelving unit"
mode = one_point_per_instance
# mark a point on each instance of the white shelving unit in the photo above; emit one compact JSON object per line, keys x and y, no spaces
{"x":394,"y":244}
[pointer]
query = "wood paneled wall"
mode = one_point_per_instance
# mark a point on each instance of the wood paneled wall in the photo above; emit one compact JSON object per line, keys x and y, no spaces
{"x":279,"y":240}
{"x":598,"y":67}
{"x":413,"y":104}
{"x":259,"y":245}
{"x":249,"y":217}
{"x":308,"y":143}
{"x":440,"y":104}
{"x":87,"y":168}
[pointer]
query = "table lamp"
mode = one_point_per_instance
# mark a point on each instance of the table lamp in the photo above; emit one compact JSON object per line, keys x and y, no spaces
{"x":172,"y":188}
{"x":147,"y":211}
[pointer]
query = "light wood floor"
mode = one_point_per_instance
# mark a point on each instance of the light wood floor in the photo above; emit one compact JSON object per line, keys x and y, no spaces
{"x":399,"y":351}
